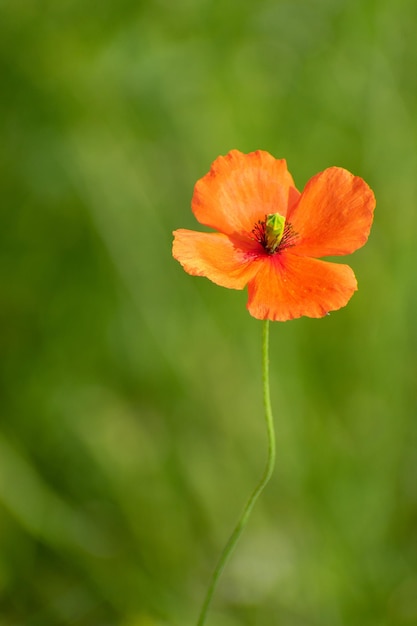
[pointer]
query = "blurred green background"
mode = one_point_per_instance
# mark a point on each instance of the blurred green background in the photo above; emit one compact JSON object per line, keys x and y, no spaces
{"x":131,"y":424}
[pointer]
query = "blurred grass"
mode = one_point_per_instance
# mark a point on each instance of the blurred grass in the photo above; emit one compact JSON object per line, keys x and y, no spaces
{"x":131,"y":424}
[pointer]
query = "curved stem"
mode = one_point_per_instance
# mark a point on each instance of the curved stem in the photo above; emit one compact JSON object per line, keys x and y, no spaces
{"x":233,"y":539}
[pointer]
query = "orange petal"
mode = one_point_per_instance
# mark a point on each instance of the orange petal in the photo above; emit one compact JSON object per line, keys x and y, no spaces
{"x":241,"y":189}
{"x":214,"y":256}
{"x":287,"y":286}
{"x":334,"y":214}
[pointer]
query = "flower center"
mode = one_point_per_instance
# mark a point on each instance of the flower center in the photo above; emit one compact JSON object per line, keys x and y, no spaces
{"x":274,"y":233}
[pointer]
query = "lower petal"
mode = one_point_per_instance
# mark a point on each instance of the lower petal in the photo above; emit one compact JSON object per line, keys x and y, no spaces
{"x":215,"y":256}
{"x":287,"y":286}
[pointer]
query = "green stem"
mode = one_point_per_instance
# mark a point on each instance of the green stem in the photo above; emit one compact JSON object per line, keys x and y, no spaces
{"x":233,"y":539}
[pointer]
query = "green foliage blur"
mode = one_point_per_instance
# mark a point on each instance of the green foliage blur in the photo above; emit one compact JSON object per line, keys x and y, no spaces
{"x":131,"y":426}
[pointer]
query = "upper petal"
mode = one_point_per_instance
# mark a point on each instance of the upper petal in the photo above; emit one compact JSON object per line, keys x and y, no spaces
{"x":334,"y":214}
{"x":241,"y":189}
{"x":215,"y":256}
{"x":287,"y":286}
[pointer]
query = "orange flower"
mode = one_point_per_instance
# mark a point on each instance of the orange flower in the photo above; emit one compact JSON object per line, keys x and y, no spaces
{"x":270,"y":236}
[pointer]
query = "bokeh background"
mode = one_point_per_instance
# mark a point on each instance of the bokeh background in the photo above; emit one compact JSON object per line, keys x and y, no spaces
{"x":131,"y":427}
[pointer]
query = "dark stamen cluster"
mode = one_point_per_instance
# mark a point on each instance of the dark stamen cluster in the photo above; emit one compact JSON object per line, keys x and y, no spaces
{"x":288,"y":238}
{"x":258,"y":232}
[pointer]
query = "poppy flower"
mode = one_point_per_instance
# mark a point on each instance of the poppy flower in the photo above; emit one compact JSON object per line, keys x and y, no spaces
{"x":271,"y":237}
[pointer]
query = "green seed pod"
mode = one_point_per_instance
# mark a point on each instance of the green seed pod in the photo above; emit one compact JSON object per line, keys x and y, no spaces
{"x":274,"y":230}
